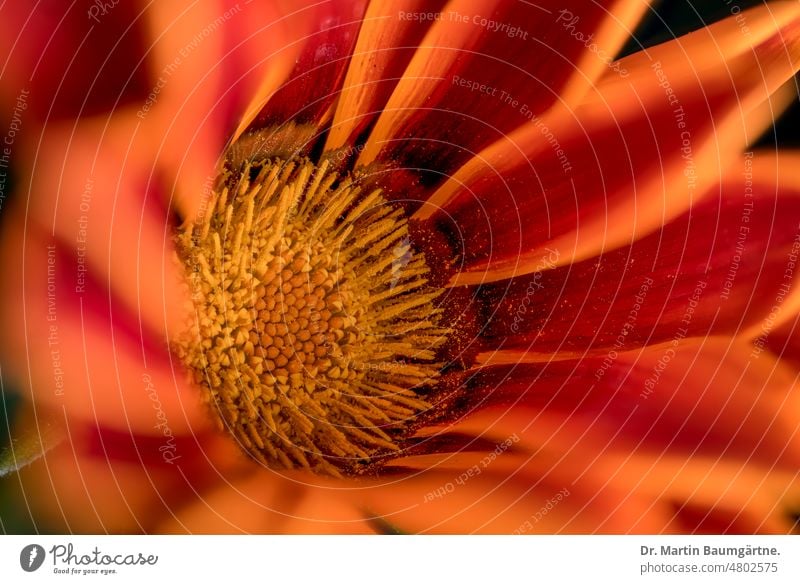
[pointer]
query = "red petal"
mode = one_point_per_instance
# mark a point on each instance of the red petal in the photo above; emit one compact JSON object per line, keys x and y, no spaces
{"x":386,"y":43}
{"x":76,"y":347}
{"x":714,"y":398}
{"x":210,"y":60}
{"x":725,"y":267}
{"x":98,"y":191}
{"x":704,"y":427}
{"x":484,"y":62}
{"x":74,"y":60}
{"x":102,"y":481}
{"x":331,"y":30}
{"x":611,"y":172}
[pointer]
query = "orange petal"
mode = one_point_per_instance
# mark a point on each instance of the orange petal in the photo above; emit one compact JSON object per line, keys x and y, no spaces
{"x":705,"y":433}
{"x":96,"y":189}
{"x":209,"y":61}
{"x":81,"y":349}
{"x":112,"y":482}
{"x":503,"y":494}
{"x":725,"y":267}
{"x":435,"y":58}
{"x":266,"y":502}
{"x":578,"y":184}
{"x":479,"y":63}
{"x":385,"y":46}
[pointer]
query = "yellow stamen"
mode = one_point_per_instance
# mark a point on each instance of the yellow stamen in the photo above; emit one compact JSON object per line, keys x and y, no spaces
{"x":315,"y":327}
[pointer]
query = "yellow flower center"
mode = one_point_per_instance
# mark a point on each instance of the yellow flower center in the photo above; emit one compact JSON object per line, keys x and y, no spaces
{"x":314,"y":330}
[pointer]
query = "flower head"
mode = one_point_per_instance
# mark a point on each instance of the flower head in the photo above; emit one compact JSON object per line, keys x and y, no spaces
{"x":311,"y":338}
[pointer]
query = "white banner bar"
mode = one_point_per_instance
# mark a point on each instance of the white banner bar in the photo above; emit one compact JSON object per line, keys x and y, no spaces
{"x":401,"y":559}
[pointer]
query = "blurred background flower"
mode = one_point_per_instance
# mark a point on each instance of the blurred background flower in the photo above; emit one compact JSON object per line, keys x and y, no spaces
{"x":609,"y":214}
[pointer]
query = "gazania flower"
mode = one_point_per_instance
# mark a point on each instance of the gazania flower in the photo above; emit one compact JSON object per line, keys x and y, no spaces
{"x":402,"y":266}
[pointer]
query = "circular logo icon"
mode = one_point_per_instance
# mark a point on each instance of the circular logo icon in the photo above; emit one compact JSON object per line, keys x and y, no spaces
{"x":31,"y":557}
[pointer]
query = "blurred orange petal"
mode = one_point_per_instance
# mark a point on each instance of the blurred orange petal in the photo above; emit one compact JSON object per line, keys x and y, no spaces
{"x":81,"y":350}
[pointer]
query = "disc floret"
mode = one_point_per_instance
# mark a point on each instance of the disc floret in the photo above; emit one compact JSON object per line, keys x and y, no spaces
{"x":314,"y":326}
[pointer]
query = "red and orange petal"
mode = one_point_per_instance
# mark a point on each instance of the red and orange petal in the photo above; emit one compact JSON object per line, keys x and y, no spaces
{"x":208,"y":60}
{"x":438,"y":116}
{"x":124,"y":483}
{"x":212,"y":491}
{"x":703,"y":426}
{"x":78,"y":348}
{"x":71,"y":65}
{"x":308,"y":93}
{"x":721,"y":268}
{"x":610,"y":174}
{"x":402,"y":89}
